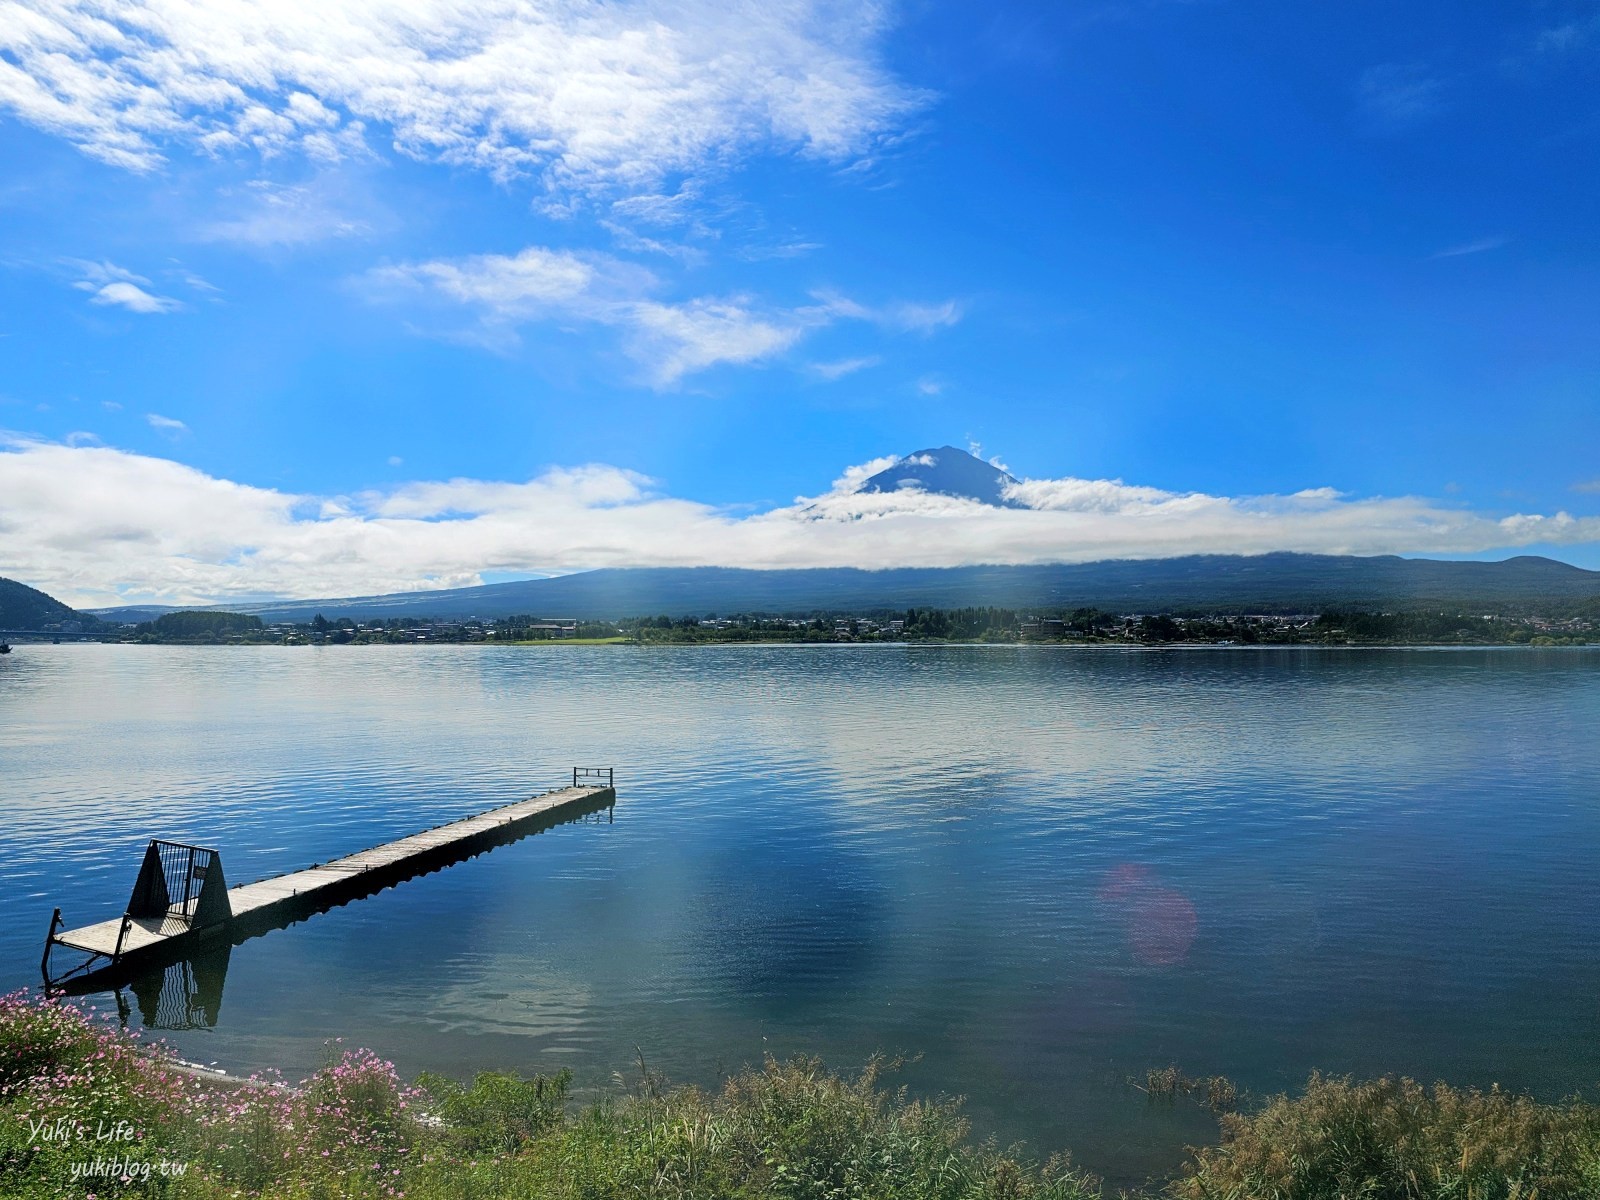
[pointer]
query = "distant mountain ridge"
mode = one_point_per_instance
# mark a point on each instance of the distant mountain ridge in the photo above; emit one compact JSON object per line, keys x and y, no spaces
{"x":1196,"y":584}
{"x":1266,"y":583}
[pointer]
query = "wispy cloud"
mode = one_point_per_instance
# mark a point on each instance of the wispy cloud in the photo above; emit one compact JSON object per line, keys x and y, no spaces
{"x":168,"y":425}
{"x":1588,"y":486}
{"x":532,"y":283}
{"x":97,"y":524}
{"x":111,"y":285}
{"x":922,"y":318}
{"x":794,"y":249}
{"x":590,"y":99}
{"x":266,"y":215}
{"x":1568,"y":37}
{"x":1475,"y":247}
{"x":680,"y":339}
{"x":190,"y":280}
{"x":1397,"y":97}
{"x":838,"y":369}
{"x":669,"y":339}
{"x":900,"y":316}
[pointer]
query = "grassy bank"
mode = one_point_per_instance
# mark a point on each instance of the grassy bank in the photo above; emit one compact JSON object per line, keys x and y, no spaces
{"x":75,"y":1093}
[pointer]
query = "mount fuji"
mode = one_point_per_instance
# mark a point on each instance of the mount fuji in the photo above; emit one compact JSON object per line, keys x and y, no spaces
{"x":946,"y":471}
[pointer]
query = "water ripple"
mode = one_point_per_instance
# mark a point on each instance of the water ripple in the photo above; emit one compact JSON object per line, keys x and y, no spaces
{"x":1046,"y":869}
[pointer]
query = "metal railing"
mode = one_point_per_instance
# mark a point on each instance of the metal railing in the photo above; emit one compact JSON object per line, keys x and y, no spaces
{"x":174,"y":885}
{"x":594,"y":777}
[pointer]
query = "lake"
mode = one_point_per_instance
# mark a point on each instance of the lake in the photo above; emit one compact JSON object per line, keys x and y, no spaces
{"x":1044,"y":870}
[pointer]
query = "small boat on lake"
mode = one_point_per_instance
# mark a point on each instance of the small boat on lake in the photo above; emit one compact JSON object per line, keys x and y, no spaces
{"x":5,"y":647}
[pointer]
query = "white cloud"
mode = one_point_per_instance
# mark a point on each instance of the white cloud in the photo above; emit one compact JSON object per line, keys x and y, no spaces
{"x":96,"y":525}
{"x":680,"y":339}
{"x":109,"y":284}
{"x":529,"y":284}
{"x":1089,"y":495}
{"x":166,"y":424}
{"x":614,"y":98}
{"x":134,"y":298}
{"x":97,"y":272}
{"x":669,"y":339}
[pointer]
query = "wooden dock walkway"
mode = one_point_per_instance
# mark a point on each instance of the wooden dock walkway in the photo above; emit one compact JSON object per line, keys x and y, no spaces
{"x":167,"y":927}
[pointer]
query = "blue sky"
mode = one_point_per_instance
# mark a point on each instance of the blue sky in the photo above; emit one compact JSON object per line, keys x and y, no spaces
{"x":272,"y":276}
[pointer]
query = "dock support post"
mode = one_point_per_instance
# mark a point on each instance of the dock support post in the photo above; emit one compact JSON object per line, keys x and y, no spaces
{"x":116,"y":955}
{"x":49,"y":941}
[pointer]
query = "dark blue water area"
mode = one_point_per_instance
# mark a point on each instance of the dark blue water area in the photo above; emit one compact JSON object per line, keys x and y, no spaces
{"x":1036,"y":872}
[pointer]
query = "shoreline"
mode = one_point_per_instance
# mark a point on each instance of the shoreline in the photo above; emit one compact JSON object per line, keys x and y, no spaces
{"x":589,"y":643}
{"x":782,"y":1128}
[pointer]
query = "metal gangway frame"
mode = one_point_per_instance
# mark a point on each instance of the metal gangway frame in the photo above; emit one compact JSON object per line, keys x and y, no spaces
{"x":177,"y":882}
{"x":592,"y":777}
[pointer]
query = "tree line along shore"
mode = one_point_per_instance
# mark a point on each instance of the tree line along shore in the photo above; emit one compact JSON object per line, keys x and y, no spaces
{"x":1088,"y":626}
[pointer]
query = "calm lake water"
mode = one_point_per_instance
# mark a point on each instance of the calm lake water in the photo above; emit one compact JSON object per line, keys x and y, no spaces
{"x":1045,"y":870}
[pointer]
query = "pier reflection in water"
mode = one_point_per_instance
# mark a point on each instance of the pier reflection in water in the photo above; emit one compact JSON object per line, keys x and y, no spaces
{"x":181,"y":996}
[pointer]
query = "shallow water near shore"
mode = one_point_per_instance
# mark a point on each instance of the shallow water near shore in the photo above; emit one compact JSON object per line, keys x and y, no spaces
{"x":1045,"y":870}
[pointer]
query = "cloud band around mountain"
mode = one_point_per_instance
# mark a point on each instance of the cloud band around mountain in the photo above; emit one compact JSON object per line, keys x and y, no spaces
{"x":98,"y":525}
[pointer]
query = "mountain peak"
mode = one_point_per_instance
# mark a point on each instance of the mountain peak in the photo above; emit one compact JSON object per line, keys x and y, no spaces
{"x":945,"y":471}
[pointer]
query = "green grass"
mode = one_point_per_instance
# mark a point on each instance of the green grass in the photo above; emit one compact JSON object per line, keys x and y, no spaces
{"x":786,"y":1131}
{"x":1394,"y":1139}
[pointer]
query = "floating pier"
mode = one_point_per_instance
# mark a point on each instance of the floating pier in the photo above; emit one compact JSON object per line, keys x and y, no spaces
{"x":182,"y":902}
